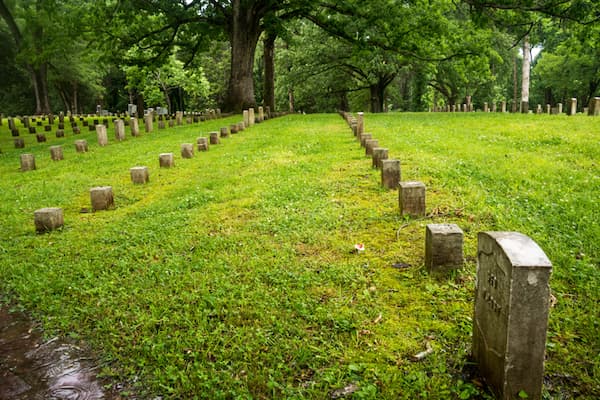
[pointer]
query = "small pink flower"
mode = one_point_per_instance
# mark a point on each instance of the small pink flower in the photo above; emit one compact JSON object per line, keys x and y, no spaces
{"x":359,"y":247}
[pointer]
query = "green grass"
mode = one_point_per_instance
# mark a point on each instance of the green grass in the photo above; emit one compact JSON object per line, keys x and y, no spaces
{"x":232,"y":274}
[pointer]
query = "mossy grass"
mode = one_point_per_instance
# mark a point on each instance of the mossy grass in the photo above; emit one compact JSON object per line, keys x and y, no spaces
{"x":233,"y":275}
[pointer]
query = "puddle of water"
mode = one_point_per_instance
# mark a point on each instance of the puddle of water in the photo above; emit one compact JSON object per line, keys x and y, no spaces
{"x":32,"y":369}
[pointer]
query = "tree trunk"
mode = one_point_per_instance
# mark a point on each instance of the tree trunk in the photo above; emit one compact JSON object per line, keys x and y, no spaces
{"x":75,"y":100}
{"x":36,"y":89}
{"x":526,"y":70}
{"x":244,"y":32}
{"x":377,"y":97}
{"x":291,"y":99}
{"x":269,"y":84}
{"x":515,"y":85}
{"x":43,"y":82}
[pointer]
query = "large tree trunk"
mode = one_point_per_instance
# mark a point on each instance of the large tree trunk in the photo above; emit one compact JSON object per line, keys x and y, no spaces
{"x":377,"y":96}
{"x":36,"y":89}
{"x":269,"y":84}
{"x":75,"y":101}
{"x":43,"y":82}
{"x":515,"y":85}
{"x":526,"y":70}
{"x":244,"y":32}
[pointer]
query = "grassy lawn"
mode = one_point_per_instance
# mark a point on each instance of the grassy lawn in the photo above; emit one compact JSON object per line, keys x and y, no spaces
{"x":232,"y":274}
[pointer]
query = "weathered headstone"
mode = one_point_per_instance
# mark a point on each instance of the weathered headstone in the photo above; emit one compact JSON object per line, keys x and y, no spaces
{"x":559,"y":106}
{"x":548,"y":109}
{"x":379,"y":154}
{"x":40,"y":137}
{"x":148,"y":120}
{"x":240,"y":126}
{"x":179,"y":117}
{"x":573,"y":106}
{"x":443,"y":247}
{"x":233,"y":128}
{"x":251,"y":117}
{"x":48,"y":219}
{"x":139,"y":175}
{"x":261,"y":114}
{"x":246,"y":116}
{"x":76,"y":130}
{"x":19,"y":143}
{"x":202,"y":143}
{"x":503,"y":106}
{"x":102,"y":198}
{"x":14,"y":132}
{"x":134,"y":125}
{"x":370,"y":144}
{"x":56,"y":153}
{"x":412,"y":198}
{"x":119,"y":130}
{"x":485,"y":107}
{"x":364,"y":137}
{"x":171,"y":123}
{"x":390,"y":174}
{"x":187,"y":150}
{"x":32,"y":129}
{"x":214,"y":137}
{"x":360,"y":124}
{"x":161,"y":124}
{"x":81,"y":146}
{"x":101,"y":135}
{"x":27,"y":162}
{"x":224,"y":132}
{"x":47,"y":128}
{"x":60,"y":133}
{"x":512,"y":297}
{"x":165,"y":160}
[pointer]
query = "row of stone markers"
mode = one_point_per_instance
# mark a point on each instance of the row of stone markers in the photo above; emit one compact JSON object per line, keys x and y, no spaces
{"x":81,"y":146}
{"x":512,"y":294}
{"x":593,"y":108}
{"x":101,"y":198}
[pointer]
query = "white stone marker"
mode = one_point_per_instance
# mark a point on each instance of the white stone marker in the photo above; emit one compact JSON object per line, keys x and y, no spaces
{"x":119,"y":130}
{"x":165,"y":160}
{"x":251,"y":116}
{"x":139,"y":175}
{"x":56,"y":153}
{"x":81,"y":146}
{"x":187,"y":150}
{"x":27,"y":162}
{"x":134,"y":125}
{"x":102,"y":135}
{"x":512,"y":299}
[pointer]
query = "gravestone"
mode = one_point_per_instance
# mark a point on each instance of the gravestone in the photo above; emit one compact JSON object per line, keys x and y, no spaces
{"x":139,"y":175}
{"x":503,"y":106}
{"x":246,"y":116}
{"x":102,"y":198}
{"x":214,"y":137}
{"x":171,"y":123}
{"x":14,"y":132}
{"x":512,"y":297}
{"x":61,"y":125}
{"x":573,"y":106}
{"x":538,"y":109}
{"x":40,"y":137}
{"x":148,"y":122}
{"x":390,"y":174}
{"x":165,"y":160}
{"x":187,"y":150}
{"x":27,"y":162}
{"x":233,"y":128}
{"x":240,"y":126}
{"x":485,"y":107}
{"x":494,"y":107}
{"x":81,"y":146}
{"x":11,"y":124}
{"x":251,"y":117}
{"x":101,"y":135}
{"x":48,"y":219}
{"x":364,"y":137}
{"x":56,"y":153}
{"x":132,"y":110}
{"x":47,"y":128}
{"x":224,"y":132}
{"x":559,"y":106}
{"x":85,"y":123}
{"x":202,"y":143}
{"x":443,"y":247}
{"x":179,"y":117}
{"x":134,"y":125}
{"x":548,"y":109}
{"x":119,"y":130}
{"x":411,"y":197}
{"x":379,"y":154}
{"x":76,"y":130}
{"x":370,"y":144}
{"x":61,"y":117}
{"x":60,"y":133}
{"x":32,"y":129}
{"x":19,"y":143}
{"x":261,"y":114}
{"x":360,"y":124}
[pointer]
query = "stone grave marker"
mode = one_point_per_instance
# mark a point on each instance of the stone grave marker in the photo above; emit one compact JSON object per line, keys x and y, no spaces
{"x":512,"y":297}
{"x":214,"y":137}
{"x":102,"y":198}
{"x":233,"y":128}
{"x":139,"y":175}
{"x":32,"y":129}
{"x":56,"y":153}
{"x":573,"y":106}
{"x":47,"y":128}
{"x":60,"y":133}
{"x":261,"y":114}
{"x":360,"y":124}
{"x":594,"y":107}
{"x":19,"y":143}
{"x":81,"y":146}
{"x":134,"y":126}
{"x":187,"y":150}
{"x":390,"y":173}
{"x":251,"y":117}
{"x":27,"y":162}
{"x":224,"y":132}
{"x":202,"y":143}
{"x":101,"y":135}
{"x":14,"y":132}
{"x":48,"y":219}
{"x":148,"y":122}
{"x":119,"y":130}
{"x":370,"y":144}
{"x":40,"y":137}
{"x":412,"y":198}
{"x":364,"y":137}
{"x":165,"y":160}
{"x":246,"y":116}
{"x":240,"y":126}
{"x":443,"y":247}
{"x":76,"y":130}
{"x":379,"y":154}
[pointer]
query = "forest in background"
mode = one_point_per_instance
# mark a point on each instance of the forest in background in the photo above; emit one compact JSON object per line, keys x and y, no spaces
{"x":295,"y":55}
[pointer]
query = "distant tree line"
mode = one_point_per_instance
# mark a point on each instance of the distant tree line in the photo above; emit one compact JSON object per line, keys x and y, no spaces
{"x":313,"y":56}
